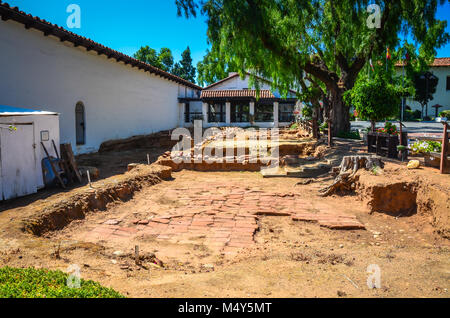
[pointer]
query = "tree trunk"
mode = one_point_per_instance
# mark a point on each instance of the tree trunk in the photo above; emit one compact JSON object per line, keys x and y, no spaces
{"x":345,"y":180}
{"x":341,"y":116}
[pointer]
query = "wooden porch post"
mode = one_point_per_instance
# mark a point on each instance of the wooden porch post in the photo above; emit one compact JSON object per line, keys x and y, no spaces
{"x":276,"y":106}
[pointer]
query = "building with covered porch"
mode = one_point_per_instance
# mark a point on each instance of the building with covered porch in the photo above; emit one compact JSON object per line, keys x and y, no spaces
{"x":232,"y":102}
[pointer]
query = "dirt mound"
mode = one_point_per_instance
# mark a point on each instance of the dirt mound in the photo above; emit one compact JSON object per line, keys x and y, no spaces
{"x":160,"y":139}
{"x":57,"y":215}
{"x":399,"y":192}
{"x":435,"y":201}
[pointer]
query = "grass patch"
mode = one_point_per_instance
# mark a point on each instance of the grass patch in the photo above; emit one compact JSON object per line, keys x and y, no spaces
{"x":43,"y":283}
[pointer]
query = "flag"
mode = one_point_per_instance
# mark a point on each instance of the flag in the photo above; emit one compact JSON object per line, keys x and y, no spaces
{"x":371,"y":65}
{"x":388,"y":54}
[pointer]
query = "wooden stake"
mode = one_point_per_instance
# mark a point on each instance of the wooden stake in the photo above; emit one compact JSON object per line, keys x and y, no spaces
{"x":445,"y":146}
{"x":148,"y":159}
{"x":136,"y":255}
{"x":89,"y":178}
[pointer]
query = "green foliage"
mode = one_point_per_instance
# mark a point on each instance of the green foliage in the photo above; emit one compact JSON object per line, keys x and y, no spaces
{"x":410,"y":115}
{"x":326,"y":40}
{"x":293,"y":126}
{"x":425,"y":84}
{"x":349,"y":135}
{"x":323,"y":126}
{"x":212,"y":69}
{"x":426,"y":147}
{"x":42,"y":283}
{"x":165,"y":58}
{"x":184,"y":68}
{"x":307,"y":112}
{"x":165,"y":61}
{"x":374,"y":99}
{"x":148,"y":55}
{"x":445,"y":113}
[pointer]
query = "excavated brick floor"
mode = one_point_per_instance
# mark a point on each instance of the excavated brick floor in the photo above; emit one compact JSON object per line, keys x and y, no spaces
{"x":224,"y":216}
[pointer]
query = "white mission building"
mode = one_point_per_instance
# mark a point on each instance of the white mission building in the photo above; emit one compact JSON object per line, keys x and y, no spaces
{"x":101,"y":94}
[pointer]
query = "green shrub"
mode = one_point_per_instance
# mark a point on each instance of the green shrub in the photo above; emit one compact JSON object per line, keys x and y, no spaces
{"x":410,"y":115}
{"x":323,"y":126}
{"x":445,"y":113}
{"x":294,"y":126}
{"x":307,"y":112}
{"x":42,"y":283}
{"x":374,"y":99}
{"x":349,"y":135}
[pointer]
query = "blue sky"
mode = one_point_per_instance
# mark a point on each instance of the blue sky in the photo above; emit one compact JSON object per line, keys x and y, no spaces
{"x":126,"y":25}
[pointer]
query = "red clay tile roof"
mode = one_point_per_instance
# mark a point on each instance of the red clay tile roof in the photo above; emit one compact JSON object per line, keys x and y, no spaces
{"x":438,"y":62}
{"x":250,"y":93}
{"x":13,"y":13}
{"x":443,"y":61}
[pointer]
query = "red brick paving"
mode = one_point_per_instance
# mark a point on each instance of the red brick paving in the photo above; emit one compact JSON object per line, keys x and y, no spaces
{"x":225,"y":216}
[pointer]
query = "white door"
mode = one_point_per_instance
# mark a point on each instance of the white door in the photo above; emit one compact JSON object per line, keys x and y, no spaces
{"x":18,"y":166}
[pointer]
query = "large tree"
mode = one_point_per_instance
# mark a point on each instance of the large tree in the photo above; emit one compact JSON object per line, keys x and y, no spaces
{"x":328,"y":40}
{"x":162,"y":60}
{"x":148,"y":55}
{"x":184,"y":68}
{"x":165,"y":58}
{"x":213,"y":68}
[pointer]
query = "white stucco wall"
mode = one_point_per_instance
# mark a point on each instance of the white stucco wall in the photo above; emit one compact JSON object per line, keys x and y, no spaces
{"x":237,"y":83}
{"x":442,"y":95}
{"x":120,"y":101}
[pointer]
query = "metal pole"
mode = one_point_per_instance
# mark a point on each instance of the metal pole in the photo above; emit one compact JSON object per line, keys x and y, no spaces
{"x":403,"y":97}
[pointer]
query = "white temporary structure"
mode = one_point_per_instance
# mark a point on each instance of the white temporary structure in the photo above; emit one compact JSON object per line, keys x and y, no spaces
{"x":21,"y":152}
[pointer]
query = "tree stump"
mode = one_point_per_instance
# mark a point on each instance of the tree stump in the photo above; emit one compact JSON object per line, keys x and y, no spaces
{"x":346,"y":178}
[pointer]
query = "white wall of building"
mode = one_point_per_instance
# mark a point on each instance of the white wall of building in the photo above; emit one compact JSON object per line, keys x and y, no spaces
{"x":442,"y":95}
{"x":120,"y":101}
{"x":237,"y":83}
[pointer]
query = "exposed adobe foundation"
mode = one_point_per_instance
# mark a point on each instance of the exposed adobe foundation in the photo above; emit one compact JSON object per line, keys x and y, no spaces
{"x":60,"y":214}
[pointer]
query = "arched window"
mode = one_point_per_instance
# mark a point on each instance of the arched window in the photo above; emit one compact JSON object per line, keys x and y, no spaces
{"x":80,"y":124}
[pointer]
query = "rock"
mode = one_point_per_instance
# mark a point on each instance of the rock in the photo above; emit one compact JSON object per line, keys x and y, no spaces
{"x":112,"y":222}
{"x":118,"y":253}
{"x":413,"y":164}
{"x":131,"y":166}
{"x":341,"y":293}
{"x":341,"y":246}
{"x":208,"y":266}
{"x":113,"y":261}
